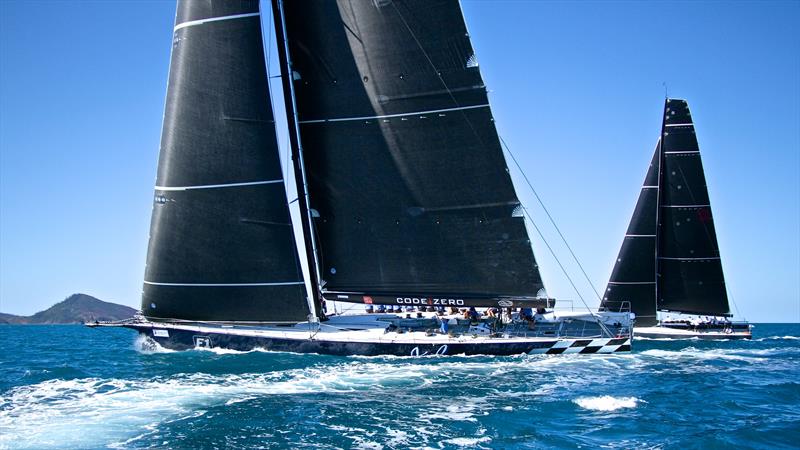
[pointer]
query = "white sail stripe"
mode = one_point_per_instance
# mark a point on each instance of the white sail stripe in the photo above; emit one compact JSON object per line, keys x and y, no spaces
{"x":631,"y":282}
{"x":679,"y":125}
{"x":640,"y":235}
{"x":213,"y":19}
{"x":689,"y":259}
{"x":682,"y":151}
{"x":685,"y":206}
{"x":215,"y":186}
{"x":387,"y":116}
{"x":649,"y":187}
{"x":287,"y":283}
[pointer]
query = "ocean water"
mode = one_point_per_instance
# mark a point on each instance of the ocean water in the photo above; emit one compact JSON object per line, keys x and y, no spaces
{"x":74,"y":387}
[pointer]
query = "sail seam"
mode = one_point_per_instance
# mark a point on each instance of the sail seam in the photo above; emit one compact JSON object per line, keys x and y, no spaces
{"x":689,"y":259}
{"x":640,"y":235}
{"x":215,"y":186}
{"x":681,"y":151}
{"x":679,"y":125}
{"x":631,"y":282}
{"x":387,"y":116}
{"x":649,"y":187}
{"x":213,"y":19}
{"x":285,"y":283}
{"x":685,"y":206}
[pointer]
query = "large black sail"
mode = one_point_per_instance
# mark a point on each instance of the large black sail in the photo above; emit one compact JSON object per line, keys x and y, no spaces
{"x":221,"y":241}
{"x":409,"y":188}
{"x":633,"y":280}
{"x":689,"y":266}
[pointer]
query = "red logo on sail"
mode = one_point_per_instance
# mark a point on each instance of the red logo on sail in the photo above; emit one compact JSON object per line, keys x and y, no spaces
{"x":704,"y":215}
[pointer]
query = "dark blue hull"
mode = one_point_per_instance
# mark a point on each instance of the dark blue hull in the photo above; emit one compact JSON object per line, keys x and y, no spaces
{"x":185,"y":339}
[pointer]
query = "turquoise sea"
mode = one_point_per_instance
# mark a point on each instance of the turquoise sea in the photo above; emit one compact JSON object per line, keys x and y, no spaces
{"x":74,"y":387}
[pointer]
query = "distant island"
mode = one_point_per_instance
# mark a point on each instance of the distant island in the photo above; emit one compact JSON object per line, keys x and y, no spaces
{"x":77,"y":308}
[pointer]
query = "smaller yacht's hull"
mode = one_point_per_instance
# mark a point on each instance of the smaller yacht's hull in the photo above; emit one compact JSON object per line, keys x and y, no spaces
{"x":366,"y":336}
{"x":718,"y":333}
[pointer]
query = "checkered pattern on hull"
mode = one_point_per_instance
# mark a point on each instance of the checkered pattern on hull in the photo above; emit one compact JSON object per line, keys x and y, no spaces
{"x":584,"y":346}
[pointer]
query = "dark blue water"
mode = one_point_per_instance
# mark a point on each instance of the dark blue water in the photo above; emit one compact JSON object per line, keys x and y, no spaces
{"x":73,"y":387}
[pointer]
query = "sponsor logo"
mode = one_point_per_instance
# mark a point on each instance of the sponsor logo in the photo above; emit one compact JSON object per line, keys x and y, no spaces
{"x":160,"y":333}
{"x":442,"y":350}
{"x":505,"y":303}
{"x":429,"y":301}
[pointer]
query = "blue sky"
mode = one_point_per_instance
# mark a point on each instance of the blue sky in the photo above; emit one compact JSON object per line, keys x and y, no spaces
{"x":576,"y":90}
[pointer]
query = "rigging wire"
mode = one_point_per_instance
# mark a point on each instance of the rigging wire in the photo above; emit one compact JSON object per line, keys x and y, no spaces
{"x":735,"y":306}
{"x":564,"y":270}
{"x":267,"y":60}
{"x":552,"y":221}
{"x":269,"y":41}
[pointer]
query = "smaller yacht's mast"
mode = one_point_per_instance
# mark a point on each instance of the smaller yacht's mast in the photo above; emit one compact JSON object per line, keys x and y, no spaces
{"x":297,"y":157}
{"x":660,"y":185}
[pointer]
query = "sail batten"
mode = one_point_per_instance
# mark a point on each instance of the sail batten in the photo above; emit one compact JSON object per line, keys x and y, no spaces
{"x":213,"y":19}
{"x":216,"y":186}
{"x":221,"y":245}
{"x":389,"y":116}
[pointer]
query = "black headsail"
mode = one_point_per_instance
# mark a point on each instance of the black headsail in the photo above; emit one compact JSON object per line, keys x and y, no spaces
{"x":221,"y":246}
{"x":633,"y":280}
{"x":689,"y":266}
{"x":409,"y":190}
{"x":669,"y":259}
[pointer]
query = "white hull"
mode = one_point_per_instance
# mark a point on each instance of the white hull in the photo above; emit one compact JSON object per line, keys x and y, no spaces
{"x":659,"y":332}
{"x":370,"y":334}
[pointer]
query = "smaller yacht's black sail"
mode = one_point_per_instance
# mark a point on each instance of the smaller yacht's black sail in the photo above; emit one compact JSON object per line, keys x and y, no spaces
{"x":633,"y":280}
{"x":669,"y":259}
{"x":409,"y":190}
{"x":690,"y":270}
{"x":221,"y":245}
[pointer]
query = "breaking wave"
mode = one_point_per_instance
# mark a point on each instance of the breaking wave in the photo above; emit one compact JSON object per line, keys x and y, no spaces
{"x":607,"y":403}
{"x":468,"y":442}
{"x":777,"y":338}
{"x":144,"y":344}
{"x":738,"y":354}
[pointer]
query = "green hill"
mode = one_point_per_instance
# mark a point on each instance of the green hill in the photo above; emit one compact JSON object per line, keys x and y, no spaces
{"x":77,"y":308}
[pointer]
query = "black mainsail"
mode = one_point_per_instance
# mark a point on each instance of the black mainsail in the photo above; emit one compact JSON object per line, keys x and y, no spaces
{"x":690,"y":269}
{"x":409,"y":191}
{"x":222,"y":247}
{"x":683,"y":252}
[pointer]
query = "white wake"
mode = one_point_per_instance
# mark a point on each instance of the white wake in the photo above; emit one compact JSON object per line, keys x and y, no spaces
{"x":607,"y":403}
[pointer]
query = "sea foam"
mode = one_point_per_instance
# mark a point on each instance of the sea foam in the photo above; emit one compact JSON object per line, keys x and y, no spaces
{"x":114,"y":410}
{"x":607,"y":403}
